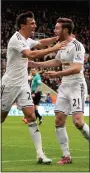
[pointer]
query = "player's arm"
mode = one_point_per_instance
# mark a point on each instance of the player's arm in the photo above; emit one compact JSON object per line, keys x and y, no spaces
{"x":74,"y":69}
{"x":45,"y":42}
{"x":45,"y":64}
{"x":21,"y":46}
{"x":39,"y":82}
{"x":38,"y":89}
{"x":51,"y":63}
{"x":40,"y":53}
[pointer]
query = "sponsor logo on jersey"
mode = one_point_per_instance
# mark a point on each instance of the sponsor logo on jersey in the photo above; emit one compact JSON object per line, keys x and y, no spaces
{"x":78,"y":57}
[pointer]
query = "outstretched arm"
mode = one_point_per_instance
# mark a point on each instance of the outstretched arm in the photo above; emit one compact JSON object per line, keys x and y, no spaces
{"x":40,"y":53}
{"x":45,"y":42}
{"x":74,"y":69}
{"x":45,"y":64}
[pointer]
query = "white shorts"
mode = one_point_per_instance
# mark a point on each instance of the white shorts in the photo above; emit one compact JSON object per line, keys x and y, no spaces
{"x":20,"y":95}
{"x":71,"y":98}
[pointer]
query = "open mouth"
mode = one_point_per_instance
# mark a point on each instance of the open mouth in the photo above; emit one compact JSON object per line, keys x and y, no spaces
{"x":33,"y":31}
{"x":55,"y":34}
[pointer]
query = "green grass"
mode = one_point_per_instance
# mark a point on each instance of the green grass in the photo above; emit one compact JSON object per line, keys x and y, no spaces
{"x":18,"y":153}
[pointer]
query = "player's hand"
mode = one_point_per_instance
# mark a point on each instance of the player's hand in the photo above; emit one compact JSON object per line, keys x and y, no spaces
{"x":56,"y":38}
{"x":33,"y":95}
{"x":60,"y":45}
{"x":50,"y":74}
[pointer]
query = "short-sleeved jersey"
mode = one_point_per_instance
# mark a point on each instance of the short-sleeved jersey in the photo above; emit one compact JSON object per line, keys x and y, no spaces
{"x":16,"y":69}
{"x":74,"y":52}
{"x":36,"y":81}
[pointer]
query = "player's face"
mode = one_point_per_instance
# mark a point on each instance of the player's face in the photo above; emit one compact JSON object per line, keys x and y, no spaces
{"x":30,"y":26}
{"x":33,"y":71}
{"x":59,"y":31}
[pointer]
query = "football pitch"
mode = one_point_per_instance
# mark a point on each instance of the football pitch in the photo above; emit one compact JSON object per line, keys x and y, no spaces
{"x":18,"y":153}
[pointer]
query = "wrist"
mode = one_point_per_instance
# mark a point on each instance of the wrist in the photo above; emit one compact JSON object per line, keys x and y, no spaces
{"x":54,"y":38}
{"x":58,"y":73}
{"x":54,"y":49}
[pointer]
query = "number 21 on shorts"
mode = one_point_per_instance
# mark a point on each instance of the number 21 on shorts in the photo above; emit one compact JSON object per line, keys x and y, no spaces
{"x":76,"y":102}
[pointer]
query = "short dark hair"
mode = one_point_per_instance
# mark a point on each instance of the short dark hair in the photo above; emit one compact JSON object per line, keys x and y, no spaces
{"x":22,"y":18}
{"x":66,"y":23}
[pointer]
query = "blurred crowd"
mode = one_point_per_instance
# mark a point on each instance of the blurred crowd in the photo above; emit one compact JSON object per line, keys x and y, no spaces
{"x":46,"y":17}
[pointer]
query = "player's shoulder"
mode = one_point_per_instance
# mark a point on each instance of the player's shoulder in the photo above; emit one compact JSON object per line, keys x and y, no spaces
{"x":37,"y":76}
{"x":32,"y":42}
{"x":15,"y":38}
{"x":77,"y":45}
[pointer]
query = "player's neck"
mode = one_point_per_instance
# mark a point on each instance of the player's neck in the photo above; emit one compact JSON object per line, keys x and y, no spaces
{"x":25,"y":35}
{"x":69,"y":38}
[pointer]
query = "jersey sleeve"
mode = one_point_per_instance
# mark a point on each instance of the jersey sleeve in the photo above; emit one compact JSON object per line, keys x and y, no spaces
{"x":79,"y":56}
{"x":58,"y":56}
{"x":18,"y":45}
{"x":33,"y":43}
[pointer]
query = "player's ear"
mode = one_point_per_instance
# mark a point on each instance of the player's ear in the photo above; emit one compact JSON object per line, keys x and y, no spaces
{"x":65,"y":30}
{"x":22,"y":25}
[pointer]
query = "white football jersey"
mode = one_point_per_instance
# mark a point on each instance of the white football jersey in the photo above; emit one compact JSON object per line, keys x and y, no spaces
{"x":73,"y":52}
{"x":16,"y":69}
